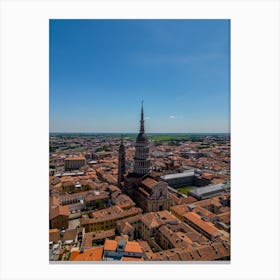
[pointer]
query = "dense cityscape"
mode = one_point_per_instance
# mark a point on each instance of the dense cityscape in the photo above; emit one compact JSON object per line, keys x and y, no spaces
{"x":144,"y":197}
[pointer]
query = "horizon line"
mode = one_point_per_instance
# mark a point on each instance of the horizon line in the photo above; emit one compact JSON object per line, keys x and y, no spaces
{"x":117,"y":132}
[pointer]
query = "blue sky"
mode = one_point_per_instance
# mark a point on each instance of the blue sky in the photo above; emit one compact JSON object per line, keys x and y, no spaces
{"x":101,"y":70}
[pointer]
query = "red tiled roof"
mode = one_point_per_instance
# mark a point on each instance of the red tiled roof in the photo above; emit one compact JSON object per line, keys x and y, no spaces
{"x":59,"y":211}
{"x":205,"y":226}
{"x":132,"y":247}
{"x":110,"y":245}
{"x":75,"y":158}
{"x":93,"y":254}
{"x":149,"y":182}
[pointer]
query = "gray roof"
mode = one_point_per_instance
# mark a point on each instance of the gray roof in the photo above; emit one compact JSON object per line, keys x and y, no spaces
{"x":122,"y":241}
{"x":178,"y":175}
{"x":207,"y":189}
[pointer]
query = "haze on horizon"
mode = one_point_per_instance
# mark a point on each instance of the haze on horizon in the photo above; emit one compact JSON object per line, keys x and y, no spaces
{"x":101,"y":70}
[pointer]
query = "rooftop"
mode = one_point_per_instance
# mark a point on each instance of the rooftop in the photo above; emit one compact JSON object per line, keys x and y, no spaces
{"x":130,"y":246}
{"x":75,"y":158}
{"x":149,"y":182}
{"x":177,"y":175}
{"x":205,"y":226}
{"x":133,"y":247}
{"x":110,"y":245}
{"x":58,"y":211}
{"x":206,"y":189}
{"x":93,"y":254}
{"x":110,"y":213}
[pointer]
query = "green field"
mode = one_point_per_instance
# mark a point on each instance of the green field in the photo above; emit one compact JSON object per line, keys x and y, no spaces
{"x":176,"y":137}
{"x":185,"y":190}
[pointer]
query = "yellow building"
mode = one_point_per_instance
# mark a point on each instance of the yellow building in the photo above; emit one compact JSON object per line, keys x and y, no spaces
{"x":74,"y":163}
{"x":107,"y":218}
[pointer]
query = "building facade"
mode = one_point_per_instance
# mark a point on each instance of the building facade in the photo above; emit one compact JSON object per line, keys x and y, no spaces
{"x":74,"y":163}
{"x":148,"y":193}
{"x":142,"y":163}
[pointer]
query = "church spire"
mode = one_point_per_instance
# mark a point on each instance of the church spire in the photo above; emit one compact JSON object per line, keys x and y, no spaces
{"x":142,"y":128}
{"x":141,"y":158}
{"x":121,"y":165}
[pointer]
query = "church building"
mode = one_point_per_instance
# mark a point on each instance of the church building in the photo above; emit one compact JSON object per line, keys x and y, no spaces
{"x":148,"y":193}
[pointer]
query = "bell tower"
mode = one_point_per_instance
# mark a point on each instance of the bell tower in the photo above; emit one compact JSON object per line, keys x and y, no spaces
{"x":142,"y":164}
{"x":121,"y":165}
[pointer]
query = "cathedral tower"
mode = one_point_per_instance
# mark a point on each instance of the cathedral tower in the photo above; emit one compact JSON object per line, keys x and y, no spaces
{"x":121,"y":166}
{"x":142,"y":164}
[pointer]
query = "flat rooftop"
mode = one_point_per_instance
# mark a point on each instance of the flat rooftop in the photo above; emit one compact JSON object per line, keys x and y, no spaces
{"x":207,"y":189}
{"x":177,"y":175}
{"x":69,"y":174}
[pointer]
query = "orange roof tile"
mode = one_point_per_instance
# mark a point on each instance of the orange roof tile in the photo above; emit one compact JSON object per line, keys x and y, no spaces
{"x":93,"y":254}
{"x":53,"y":230}
{"x":149,"y":182}
{"x":75,"y":158}
{"x":59,"y":211}
{"x":110,"y":245}
{"x":206,"y":226}
{"x":207,"y":176}
{"x":133,"y":247}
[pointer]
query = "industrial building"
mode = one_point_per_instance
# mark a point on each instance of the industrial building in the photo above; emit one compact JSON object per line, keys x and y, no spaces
{"x":179,"y":180}
{"x":207,"y":191}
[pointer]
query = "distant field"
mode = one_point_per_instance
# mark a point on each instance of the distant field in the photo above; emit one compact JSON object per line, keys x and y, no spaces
{"x":160,"y":138}
{"x":185,"y":190}
{"x":164,"y":136}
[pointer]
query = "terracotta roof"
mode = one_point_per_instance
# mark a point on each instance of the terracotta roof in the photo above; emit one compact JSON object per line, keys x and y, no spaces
{"x":144,"y":192}
{"x":70,"y":234}
{"x":126,"y":227}
{"x":205,"y":226}
{"x":110,"y":245}
{"x":166,"y":217}
{"x":90,"y":237}
{"x":93,"y":254}
{"x":207,"y":175}
{"x":203,"y":253}
{"x":149,"y":182}
{"x":180,"y":209}
{"x":203,"y":212}
{"x":75,"y":158}
{"x":54,"y":200}
{"x":150,"y":220}
{"x":132,"y":247}
{"x":92,"y":196}
{"x":224,"y":217}
{"x":145,"y":246}
{"x":111,"y":213}
{"x":177,"y":239}
{"x":59,"y":211}
{"x":54,"y":235}
{"x":187,"y":200}
{"x":217,"y":181}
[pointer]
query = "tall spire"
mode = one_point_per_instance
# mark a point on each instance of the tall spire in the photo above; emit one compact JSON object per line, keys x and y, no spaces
{"x":121,"y":165}
{"x":142,"y":129}
{"x":141,"y":158}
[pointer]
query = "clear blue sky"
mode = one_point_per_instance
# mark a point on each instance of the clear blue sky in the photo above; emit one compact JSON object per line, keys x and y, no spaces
{"x":100,"y":70}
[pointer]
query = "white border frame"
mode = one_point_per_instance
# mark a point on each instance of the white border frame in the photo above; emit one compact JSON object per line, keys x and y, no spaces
{"x":254,"y":130}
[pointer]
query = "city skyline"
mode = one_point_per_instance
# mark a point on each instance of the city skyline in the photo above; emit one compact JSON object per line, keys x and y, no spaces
{"x":101,"y":70}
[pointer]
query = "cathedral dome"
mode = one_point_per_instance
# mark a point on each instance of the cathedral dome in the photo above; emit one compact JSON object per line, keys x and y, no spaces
{"x":142,"y":137}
